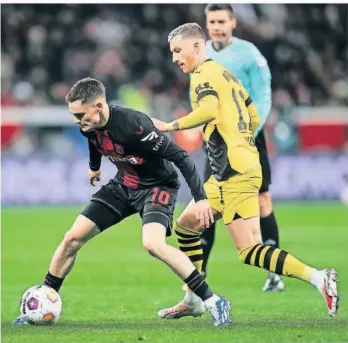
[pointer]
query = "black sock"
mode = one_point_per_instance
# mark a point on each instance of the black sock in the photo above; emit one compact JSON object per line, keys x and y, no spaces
{"x":198,"y":286}
{"x":269,"y":230}
{"x":207,"y":241}
{"x":53,"y":281}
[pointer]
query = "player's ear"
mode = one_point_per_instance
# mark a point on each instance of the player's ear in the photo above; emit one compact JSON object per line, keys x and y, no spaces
{"x":196,"y":47}
{"x":234,"y":22}
{"x":99,"y":105}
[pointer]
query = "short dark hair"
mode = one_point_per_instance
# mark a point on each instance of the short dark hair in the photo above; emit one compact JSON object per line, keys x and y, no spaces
{"x":188,"y":30}
{"x":218,"y":7}
{"x":85,"y":90}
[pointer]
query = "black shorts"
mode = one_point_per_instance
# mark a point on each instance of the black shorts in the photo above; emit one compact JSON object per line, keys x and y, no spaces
{"x":115,"y":202}
{"x":264,"y":161}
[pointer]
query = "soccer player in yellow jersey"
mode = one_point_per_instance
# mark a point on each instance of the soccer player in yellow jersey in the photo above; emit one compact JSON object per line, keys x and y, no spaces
{"x":229,"y":119}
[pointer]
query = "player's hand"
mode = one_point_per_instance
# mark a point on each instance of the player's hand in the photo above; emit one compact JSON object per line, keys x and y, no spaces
{"x":204,"y":213}
{"x":93,"y":176}
{"x":159,"y":124}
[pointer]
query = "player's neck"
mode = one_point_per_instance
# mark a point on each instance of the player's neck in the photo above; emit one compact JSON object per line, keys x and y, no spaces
{"x":201,"y":60}
{"x":104,"y":117}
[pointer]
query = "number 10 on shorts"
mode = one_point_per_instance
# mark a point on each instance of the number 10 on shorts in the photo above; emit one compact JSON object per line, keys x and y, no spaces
{"x":160,"y":196}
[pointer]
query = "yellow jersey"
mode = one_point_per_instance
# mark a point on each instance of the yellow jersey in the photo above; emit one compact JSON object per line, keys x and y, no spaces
{"x":229,"y":136}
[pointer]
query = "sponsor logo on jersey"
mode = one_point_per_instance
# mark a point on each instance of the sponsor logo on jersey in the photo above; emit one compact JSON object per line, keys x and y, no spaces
{"x":202,"y":87}
{"x":152,"y":135}
{"x":158,"y":144}
{"x":128,"y":159}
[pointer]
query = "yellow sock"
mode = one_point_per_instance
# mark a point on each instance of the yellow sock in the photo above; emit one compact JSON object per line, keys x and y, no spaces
{"x":189,"y":242}
{"x":277,"y":261}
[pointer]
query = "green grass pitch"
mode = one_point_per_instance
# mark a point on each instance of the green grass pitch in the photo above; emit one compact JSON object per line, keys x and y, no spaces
{"x":116,"y":288}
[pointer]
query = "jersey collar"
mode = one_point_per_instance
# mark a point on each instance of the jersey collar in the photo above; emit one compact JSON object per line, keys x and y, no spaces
{"x":201,"y":66}
{"x":225,"y":46}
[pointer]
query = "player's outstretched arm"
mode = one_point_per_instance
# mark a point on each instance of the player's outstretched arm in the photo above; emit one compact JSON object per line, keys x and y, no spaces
{"x":206,"y":112}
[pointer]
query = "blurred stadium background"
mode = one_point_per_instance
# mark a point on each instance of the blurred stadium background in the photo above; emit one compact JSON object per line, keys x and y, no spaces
{"x":46,"y":48}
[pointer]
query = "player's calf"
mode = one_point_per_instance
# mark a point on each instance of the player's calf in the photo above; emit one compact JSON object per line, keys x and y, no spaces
{"x":64,"y":257}
{"x":154,"y":242}
{"x":246,"y":236}
{"x":189,"y":230}
{"x":281,"y":262}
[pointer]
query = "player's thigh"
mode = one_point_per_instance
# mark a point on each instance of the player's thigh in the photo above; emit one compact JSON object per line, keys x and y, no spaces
{"x":108,"y":206}
{"x":153,"y":236}
{"x":245,"y":232}
{"x":156,"y":205}
{"x":265,"y":201}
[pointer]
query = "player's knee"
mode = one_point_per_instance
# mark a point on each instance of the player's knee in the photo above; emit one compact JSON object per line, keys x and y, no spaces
{"x":189,"y":221}
{"x":155,"y":249}
{"x":265,"y":204}
{"x":72,"y":242}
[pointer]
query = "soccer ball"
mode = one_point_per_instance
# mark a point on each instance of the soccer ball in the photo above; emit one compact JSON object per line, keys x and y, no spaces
{"x":41,"y":305}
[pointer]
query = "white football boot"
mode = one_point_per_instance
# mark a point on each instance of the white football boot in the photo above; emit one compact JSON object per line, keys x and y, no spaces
{"x":191,"y":306}
{"x":329,"y":290}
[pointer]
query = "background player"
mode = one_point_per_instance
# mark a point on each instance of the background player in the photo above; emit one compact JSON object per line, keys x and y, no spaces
{"x":230,"y":121}
{"x":246,"y":63}
{"x":146,"y":183}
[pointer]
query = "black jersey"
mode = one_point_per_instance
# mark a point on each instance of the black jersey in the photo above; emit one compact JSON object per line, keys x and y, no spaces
{"x":142,"y":154}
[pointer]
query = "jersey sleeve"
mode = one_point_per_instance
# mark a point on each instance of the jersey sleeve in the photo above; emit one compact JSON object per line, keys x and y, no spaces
{"x":204,"y":84}
{"x":260,"y":77}
{"x":206,"y":103}
{"x":95,"y":155}
{"x":148,"y":139}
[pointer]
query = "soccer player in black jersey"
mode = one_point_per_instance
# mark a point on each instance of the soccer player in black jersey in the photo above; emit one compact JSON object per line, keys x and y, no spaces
{"x":146,"y":183}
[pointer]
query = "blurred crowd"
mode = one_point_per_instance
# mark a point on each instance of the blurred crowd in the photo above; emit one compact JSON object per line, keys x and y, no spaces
{"x":47,"y":47}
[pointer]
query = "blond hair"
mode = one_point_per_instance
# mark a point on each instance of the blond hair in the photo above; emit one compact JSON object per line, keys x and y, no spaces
{"x":187,"y":30}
